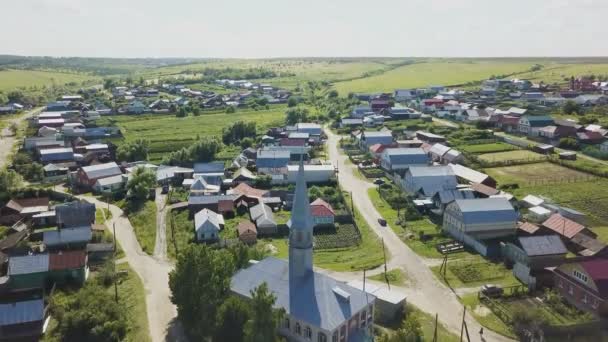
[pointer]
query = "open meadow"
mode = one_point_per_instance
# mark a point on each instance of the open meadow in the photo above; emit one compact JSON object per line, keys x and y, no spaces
{"x":12,"y":79}
{"x":510,"y":155}
{"x":168,"y":133}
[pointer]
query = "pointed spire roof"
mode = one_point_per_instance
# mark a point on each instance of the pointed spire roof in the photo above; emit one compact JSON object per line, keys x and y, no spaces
{"x":301,"y":215}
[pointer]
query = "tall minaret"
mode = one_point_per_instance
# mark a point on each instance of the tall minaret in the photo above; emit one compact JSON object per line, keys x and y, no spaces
{"x":300,"y":231}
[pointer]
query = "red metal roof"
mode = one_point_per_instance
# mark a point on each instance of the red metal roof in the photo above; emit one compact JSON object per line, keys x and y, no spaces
{"x":245,"y":226}
{"x":224,"y":206}
{"x":321,"y":208}
{"x":293,"y":142}
{"x":597,"y":269}
{"x":563,"y":226}
{"x":484,"y":189}
{"x":245,"y":189}
{"x":432,"y":101}
{"x":67,"y":260}
{"x":528,"y":227}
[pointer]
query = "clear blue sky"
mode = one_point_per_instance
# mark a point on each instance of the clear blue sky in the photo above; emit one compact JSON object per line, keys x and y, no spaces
{"x":289,"y":28}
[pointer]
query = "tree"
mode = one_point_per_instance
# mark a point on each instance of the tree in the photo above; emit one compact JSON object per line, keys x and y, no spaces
{"x":237,"y":131}
{"x":264,"y":320}
{"x":3,"y":98}
{"x":9,"y":182}
{"x":231,"y":318}
{"x":133,"y":151}
{"x":89,"y":315}
{"x":109,"y":83}
{"x":142,"y":180}
{"x":262,"y":181}
{"x":16,"y":96}
{"x":199,"y":285}
{"x":230,"y":110}
{"x":568,"y":143}
{"x":571,"y":107}
{"x":181,"y":113}
{"x":247,"y":142}
{"x":292,"y":102}
{"x":295,"y":115}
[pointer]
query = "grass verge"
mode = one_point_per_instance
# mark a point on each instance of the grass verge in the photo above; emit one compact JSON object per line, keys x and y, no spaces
{"x":144,"y":224}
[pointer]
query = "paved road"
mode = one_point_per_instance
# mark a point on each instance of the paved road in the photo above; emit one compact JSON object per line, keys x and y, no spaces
{"x":7,"y":139}
{"x":154,"y":273}
{"x":425,"y":291}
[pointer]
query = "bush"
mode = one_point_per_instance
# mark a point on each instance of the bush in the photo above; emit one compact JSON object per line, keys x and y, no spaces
{"x":568,"y":143}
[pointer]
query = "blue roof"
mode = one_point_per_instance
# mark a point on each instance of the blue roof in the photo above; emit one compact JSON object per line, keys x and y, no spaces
{"x":28,"y":264}
{"x":272,"y":159}
{"x":486,"y":210}
{"x":21,"y":312}
{"x":67,"y":235}
{"x":447,"y":196}
{"x":212,"y":167}
{"x":316,"y":299}
{"x":405,"y":155}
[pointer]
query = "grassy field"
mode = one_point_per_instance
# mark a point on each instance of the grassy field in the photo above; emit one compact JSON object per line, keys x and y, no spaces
{"x":168,"y":133}
{"x":487,"y":148}
{"x":395,"y":277}
{"x":523,"y":174}
{"x":443,"y":72}
{"x":485,"y":316}
{"x":427,"y":324}
{"x":510,"y":155}
{"x":144,"y":224}
{"x":473,"y":271}
{"x":11,"y":79}
{"x":558,"y":72}
{"x":132,"y":295}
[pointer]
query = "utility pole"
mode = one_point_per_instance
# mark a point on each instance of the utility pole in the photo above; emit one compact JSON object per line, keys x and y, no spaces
{"x":385,"y":267}
{"x":352,"y":204}
{"x":114,"y":263}
{"x":436,"y":323}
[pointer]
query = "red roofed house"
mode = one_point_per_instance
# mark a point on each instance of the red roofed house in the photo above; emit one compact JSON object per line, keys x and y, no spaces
{"x":245,"y":189}
{"x":379,"y":105}
{"x":589,"y":137}
{"x":377,"y":149}
{"x":247,"y":232}
{"x":322,"y":213}
{"x":564,"y":227}
{"x":584,"y":284}
{"x":508,"y":123}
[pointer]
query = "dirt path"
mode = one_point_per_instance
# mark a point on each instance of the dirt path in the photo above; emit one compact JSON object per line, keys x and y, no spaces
{"x":425,"y":291}
{"x":160,"y":247}
{"x":154,"y":274}
{"x":7,"y":139}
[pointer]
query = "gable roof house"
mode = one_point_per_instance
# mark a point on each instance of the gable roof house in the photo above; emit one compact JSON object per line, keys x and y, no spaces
{"x":437,"y":152}
{"x":430,"y":137}
{"x":88,"y":175}
{"x":67,"y":238}
{"x":212,"y":173}
{"x":444,"y":197}
{"x":361,"y":111}
{"x":369,"y":138}
{"x":56,"y":155}
{"x":272,"y":162}
{"x":475,"y":222}
{"x":401,"y":158}
{"x":403,"y":113}
{"x":313,"y":129}
{"x":207,"y":225}
{"x":18,"y":209}
{"x":378,"y":105}
{"x":584,"y":284}
{"x":200,"y":187}
{"x":403,"y":95}
{"x":264,"y":220}
{"x":36,"y":270}
{"x":247,"y":232}
{"x":578,"y":238}
{"x":531,"y":124}
{"x":23,"y":320}
{"x":322,"y":212}
{"x":426,"y":181}
{"x":75,"y":214}
{"x":469,"y":175}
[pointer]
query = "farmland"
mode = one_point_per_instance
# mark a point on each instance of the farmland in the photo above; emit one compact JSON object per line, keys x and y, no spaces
{"x":11,"y":79}
{"x":537,"y":172}
{"x":510,"y":155}
{"x":488,"y":148}
{"x":444,"y":72}
{"x":168,"y":133}
{"x":557,"y":72}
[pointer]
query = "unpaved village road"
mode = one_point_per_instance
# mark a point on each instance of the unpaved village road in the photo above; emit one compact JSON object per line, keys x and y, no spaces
{"x":7,"y":139}
{"x":425,"y":291}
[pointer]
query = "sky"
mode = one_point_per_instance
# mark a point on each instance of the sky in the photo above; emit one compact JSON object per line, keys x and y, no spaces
{"x":310,"y":28}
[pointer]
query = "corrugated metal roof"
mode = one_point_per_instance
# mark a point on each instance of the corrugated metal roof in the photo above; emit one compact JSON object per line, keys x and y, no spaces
{"x":102,"y":170}
{"x":468,"y":174}
{"x":212,"y":167}
{"x":486,"y":210}
{"x":75,"y":214}
{"x":67,"y":235}
{"x":563,"y":226}
{"x":311,"y":299}
{"x":27,"y":264}
{"x":430,"y":179}
{"x":21,"y":312}
{"x":67,"y":260}
{"x":207,"y":215}
{"x":542,"y":245}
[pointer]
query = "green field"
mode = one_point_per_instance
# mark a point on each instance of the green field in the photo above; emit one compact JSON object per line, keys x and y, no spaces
{"x":536,"y":172}
{"x":510,"y":155}
{"x":168,"y":133}
{"x":487,"y":148}
{"x":442,"y":72}
{"x":11,"y":79}
{"x":557,"y":72}
{"x":473,"y":271}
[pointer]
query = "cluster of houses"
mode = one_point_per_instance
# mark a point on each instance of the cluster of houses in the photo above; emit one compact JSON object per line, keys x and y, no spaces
{"x":10,"y":108}
{"x":531,"y":235}
{"x":48,"y":246}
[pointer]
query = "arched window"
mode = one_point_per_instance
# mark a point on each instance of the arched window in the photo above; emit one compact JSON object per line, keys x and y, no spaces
{"x":287,"y":323}
{"x":308,"y":333}
{"x":322,"y":337}
{"x":298,"y":329}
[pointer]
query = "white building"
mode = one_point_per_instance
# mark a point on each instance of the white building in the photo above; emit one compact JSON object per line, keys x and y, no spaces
{"x":207,"y":225}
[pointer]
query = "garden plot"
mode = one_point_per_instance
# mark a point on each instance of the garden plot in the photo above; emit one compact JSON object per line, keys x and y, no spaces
{"x":515,"y":155}
{"x":535,"y":173}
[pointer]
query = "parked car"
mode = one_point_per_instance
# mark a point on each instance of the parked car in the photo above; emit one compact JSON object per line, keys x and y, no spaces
{"x":378,"y":181}
{"x":382,"y":222}
{"x":491,"y":290}
{"x":165,"y":189}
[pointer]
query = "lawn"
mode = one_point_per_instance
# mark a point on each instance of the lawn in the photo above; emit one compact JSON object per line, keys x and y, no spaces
{"x":485,"y":316}
{"x":395,"y":277}
{"x":180,"y":232}
{"x":473,"y":270}
{"x":132,"y":295}
{"x":11,"y":79}
{"x":102,"y":215}
{"x":168,"y":133}
{"x":427,"y":324}
{"x":144,"y":224}
{"x":536,"y":172}
{"x":510,"y":155}
{"x":430,"y":72}
{"x":487,"y":148}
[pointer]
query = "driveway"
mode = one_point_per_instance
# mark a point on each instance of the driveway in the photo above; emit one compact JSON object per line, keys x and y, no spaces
{"x":425,"y":291}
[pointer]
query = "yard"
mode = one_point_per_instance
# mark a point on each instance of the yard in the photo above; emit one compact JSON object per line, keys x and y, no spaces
{"x":534,"y":173}
{"x":168,"y":133}
{"x":487,"y":148}
{"x":473,"y":271}
{"x":144,"y":224}
{"x":518,"y":155}
{"x":427,"y":325}
{"x":132,"y":295}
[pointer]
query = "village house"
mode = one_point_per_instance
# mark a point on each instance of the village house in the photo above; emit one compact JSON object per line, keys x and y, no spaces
{"x":317,"y":307}
{"x":350,"y":122}
{"x":110,"y":184}
{"x":75,"y":214}
{"x":404,"y":95}
{"x":67,"y":238}
{"x":212,"y":172}
{"x":531,"y":124}
{"x":37,"y":270}
{"x":378,"y":105}
{"x":221,"y":204}
{"x":431,"y":105}
{"x":444,"y":197}
{"x":369,"y":138}
{"x":313,"y":129}
{"x":87,"y":176}
{"x":426,"y":181}
{"x":403,"y":113}
{"x":272,"y":162}
{"x":468,"y":175}
{"x":200,"y":187}
{"x":23,"y":320}
{"x":361,"y":111}
{"x":430,"y":137}
{"x":578,"y":238}
{"x":247,"y":232}
{"x":475,"y":221}
{"x":207,"y":225}
{"x":394,"y":159}
{"x":322,"y":213}
{"x":530,"y":255}
{"x":264,"y":220}
{"x":18,"y":209}
{"x":584,"y":284}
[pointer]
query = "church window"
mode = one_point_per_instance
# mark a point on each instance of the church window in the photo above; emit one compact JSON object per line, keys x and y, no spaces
{"x":322,"y":337}
{"x":298,"y":329}
{"x":308,"y":333}
{"x":287,"y":323}
{"x":334,"y":337}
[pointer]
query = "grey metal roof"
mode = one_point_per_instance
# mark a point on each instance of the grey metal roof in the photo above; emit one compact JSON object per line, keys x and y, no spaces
{"x":311,"y":299}
{"x":405,"y":155}
{"x":21,"y":312}
{"x":542,"y":245}
{"x":206,"y":215}
{"x":486,"y":210}
{"x":67,"y":235}
{"x":212,"y":167}
{"x":379,"y":134}
{"x":27,"y":264}
{"x":261,"y":210}
{"x":468,"y":174}
{"x":75,"y":214}
{"x":439,"y":149}
{"x":272,"y":159}
{"x":110,"y":180}
{"x":210,"y":199}
{"x":165,"y":172}
{"x":431,"y":179}
{"x":102,"y":170}
{"x":447,"y":196}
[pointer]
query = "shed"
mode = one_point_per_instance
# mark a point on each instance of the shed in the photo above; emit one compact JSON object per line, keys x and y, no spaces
{"x":247,"y":232}
{"x":264,"y":220}
{"x":567,"y":155}
{"x":538,"y":214}
{"x":532,"y":201}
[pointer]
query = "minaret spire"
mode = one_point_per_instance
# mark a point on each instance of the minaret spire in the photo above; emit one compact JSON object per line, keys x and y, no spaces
{"x":300,"y":230}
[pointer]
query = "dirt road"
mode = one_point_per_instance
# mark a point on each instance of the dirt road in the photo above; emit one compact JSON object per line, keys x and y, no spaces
{"x":7,"y":139}
{"x":160,"y":247}
{"x":425,"y":291}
